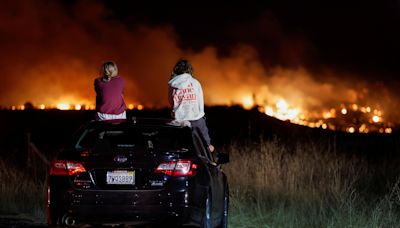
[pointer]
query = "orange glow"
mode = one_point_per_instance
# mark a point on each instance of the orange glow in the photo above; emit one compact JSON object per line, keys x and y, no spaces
{"x":326,"y":119}
{"x":327,"y":115}
{"x":269,"y":111}
{"x":312,"y":125}
{"x":282,"y":105}
{"x":280,"y":109}
{"x":330,"y":114}
{"x":283,"y":111}
{"x":362,"y":128}
{"x":60,"y":79}
{"x":292,"y":113}
{"x":63,"y":106}
{"x":377,"y":112}
{"x":376,"y":119}
{"x":247,"y":102}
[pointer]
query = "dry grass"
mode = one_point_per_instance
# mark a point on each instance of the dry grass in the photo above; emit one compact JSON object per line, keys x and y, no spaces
{"x":19,"y":192}
{"x":308,"y":186}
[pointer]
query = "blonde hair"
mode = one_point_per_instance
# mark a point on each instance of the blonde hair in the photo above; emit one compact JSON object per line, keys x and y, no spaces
{"x":108,"y":70}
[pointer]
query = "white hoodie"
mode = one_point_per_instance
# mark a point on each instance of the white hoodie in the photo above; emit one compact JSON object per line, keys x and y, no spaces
{"x":186,"y":97}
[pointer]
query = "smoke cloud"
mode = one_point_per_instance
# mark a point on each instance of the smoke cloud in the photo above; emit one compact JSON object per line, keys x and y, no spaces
{"x":52,"y":53}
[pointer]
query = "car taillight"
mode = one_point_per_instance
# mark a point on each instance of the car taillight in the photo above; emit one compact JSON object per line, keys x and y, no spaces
{"x":66,"y":168}
{"x":180,"y":168}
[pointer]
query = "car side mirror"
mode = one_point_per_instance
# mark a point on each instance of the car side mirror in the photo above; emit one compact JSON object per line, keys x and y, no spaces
{"x":222,"y":158}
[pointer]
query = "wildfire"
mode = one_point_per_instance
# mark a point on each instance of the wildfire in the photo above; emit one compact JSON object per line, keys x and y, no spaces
{"x":67,"y":106}
{"x":247,"y":102}
{"x":367,"y":120}
{"x":376,"y":119}
{"x":63,"y":106}
{"x":350,"y":130}
{"x":330,"y":114}
{"x":350,"y":118}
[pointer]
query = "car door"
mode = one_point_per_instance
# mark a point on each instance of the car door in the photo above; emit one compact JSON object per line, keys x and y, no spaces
{"x":217,"y":185}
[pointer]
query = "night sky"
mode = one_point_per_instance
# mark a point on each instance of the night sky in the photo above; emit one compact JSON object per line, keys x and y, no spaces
{"x":353,"y":36}
{"x":347,"y":35}
{"x":348,"y":52}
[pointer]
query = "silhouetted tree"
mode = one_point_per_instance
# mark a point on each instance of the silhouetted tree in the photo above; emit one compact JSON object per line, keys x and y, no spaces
{"x":28,"y":105}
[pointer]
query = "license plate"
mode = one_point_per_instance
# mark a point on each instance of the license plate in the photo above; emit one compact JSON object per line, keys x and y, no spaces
{"x":121,"y":177}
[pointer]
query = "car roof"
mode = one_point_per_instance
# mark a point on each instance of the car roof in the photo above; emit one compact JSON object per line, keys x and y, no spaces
{"x":139,"y":122}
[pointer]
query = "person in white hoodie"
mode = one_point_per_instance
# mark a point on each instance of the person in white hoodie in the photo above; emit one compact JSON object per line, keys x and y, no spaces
{"x":186,"y":98}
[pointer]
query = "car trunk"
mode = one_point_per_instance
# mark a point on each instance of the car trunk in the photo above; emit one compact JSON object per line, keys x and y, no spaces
{"x":123,"y":169}
{"x":126,"y":158}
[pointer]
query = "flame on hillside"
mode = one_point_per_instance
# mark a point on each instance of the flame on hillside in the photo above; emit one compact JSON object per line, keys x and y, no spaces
{"x":350,"y":118}
{"x":64,"y":106}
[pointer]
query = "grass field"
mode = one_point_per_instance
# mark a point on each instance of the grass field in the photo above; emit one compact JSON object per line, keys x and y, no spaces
{"x":309,"y":186}
{"x":20,"y":194}
{"x":272,"y":185}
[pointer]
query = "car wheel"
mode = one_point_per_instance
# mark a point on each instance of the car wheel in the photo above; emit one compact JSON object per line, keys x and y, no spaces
{"x":224,"y":217}
{"x":206,"y":220}
{"x":54,"y":221}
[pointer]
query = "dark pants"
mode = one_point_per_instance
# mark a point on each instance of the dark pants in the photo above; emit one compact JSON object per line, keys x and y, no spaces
{"x":201,"y":126}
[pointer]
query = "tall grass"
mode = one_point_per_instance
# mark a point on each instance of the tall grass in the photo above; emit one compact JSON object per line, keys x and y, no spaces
{"x":19,"y":192}
{"x":307,"y":185}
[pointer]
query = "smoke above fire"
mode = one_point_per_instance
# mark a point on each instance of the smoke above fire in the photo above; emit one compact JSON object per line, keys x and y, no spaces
{"x":52,"y":52}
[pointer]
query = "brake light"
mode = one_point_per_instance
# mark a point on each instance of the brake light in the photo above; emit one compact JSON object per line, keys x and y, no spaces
{"x":66,"y":168}
{"x":180,"y":168}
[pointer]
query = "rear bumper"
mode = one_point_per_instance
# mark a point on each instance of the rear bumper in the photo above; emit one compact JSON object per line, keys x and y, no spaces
{"x":129,"y":214}
{"x":124,"y":207}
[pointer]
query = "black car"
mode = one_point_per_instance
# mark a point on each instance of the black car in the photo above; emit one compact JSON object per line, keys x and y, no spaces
{"x":137,"y":171}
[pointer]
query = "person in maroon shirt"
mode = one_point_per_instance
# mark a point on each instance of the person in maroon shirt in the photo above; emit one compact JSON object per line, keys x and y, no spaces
{"x":109,"y":89}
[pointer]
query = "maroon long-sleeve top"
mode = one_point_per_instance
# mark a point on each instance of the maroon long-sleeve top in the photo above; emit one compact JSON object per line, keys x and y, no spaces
{"x":109,"y":95}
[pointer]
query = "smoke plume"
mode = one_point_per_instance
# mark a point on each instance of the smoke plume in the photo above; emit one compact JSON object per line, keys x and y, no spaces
{"x":52,"y":53}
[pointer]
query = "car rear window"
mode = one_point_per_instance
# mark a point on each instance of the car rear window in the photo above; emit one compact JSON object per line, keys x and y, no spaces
{"x":156,"y":139}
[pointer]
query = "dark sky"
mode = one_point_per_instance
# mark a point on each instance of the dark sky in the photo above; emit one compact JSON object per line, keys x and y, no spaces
{"x":359,"y":37}
{"x":315,"y":56}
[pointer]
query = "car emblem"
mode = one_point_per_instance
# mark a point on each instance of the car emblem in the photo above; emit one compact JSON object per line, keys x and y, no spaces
{"x":120,"y":159}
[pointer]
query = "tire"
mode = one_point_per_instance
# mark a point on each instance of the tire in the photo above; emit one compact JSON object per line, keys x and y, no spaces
{"x":224,"y":216}
{"x":56,"y":222}
{"x":206,"y":220}
{"x":54,"y":219}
